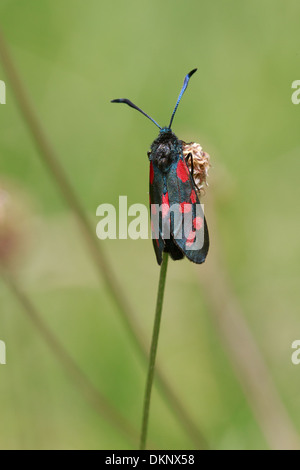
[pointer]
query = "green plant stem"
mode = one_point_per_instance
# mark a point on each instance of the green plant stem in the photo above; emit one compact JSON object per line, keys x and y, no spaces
{"x":153,"y":349}
{"x":51,"y":161}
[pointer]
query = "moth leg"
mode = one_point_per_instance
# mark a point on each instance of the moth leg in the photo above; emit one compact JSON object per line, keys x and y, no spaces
{"x":190,"y":156}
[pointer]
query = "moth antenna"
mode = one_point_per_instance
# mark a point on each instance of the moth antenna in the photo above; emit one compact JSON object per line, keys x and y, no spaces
{"x":184,"y":87}
{"x":124,"y":100}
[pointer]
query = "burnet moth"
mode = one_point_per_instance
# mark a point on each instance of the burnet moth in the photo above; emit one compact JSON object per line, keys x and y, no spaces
{"x":177,"y":218}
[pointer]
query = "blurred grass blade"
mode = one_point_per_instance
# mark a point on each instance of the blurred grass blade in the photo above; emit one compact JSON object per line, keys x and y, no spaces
{"x":51,"y":162}
{"x":243,"y":351}
{"x":90,"y":392}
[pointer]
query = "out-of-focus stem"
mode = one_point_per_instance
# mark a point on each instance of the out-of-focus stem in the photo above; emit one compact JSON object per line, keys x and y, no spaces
{"x":243,"y":351}
{"x":91,"y":393}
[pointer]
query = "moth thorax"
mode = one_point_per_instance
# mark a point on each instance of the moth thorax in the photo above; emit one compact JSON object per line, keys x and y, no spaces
{"x":163,"y":156}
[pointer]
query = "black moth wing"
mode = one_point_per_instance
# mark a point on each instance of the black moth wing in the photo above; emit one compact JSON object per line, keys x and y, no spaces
{"x":162,"y":237}
{"x":156,"y":188}
{"x":188,"y":224}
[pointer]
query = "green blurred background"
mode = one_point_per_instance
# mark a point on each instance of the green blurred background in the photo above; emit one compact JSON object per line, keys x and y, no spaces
{"x":73,"y":57}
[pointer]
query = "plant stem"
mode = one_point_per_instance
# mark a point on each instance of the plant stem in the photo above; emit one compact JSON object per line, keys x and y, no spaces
{"x":153,"y":350}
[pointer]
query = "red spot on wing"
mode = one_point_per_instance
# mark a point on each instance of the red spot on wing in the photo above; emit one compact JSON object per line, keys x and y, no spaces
{"x":151,"y":173}
{"x":191,"y":238}
{"x":182,"y":171}
{"x":185,"y":207}
{"x":165,"y":198}
{"x":165,"y":207}
{"x":197,"y":223}
{"x":193,"y":197}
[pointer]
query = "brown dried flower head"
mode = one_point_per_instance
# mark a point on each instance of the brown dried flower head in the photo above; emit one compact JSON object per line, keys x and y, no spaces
{"x":201,"y":164}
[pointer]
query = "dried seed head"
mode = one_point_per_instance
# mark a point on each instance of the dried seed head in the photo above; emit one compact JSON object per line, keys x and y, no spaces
{"x":201,"y":164}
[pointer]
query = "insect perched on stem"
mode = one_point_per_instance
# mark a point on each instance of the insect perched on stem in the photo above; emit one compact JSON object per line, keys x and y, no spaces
{"x":177,"y":219}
